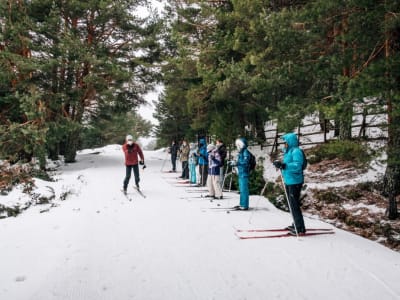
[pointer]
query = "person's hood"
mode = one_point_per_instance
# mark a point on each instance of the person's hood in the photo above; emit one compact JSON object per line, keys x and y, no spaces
{"x":291,"y":139}
{"x":241,"y":143}
{"x":202,"y":141}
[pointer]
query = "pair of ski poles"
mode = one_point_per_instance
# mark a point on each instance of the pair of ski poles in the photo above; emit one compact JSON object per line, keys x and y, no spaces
{"x":287,"y":199}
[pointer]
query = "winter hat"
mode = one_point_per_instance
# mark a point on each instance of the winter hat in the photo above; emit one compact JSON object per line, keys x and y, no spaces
{"x":129,"y":137}
{"x":240,"y":144}
{"x":210,"y":147}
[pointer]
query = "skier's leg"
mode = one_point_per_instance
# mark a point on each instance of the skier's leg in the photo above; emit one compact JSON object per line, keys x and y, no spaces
{"x":136,"y":174}
{"x":173,"y":161}
{"x":205,"y":173}
{"x":127,"y":176}
{"x":244,"y":191}
{"x":210,"y":187}
{"x":293,"y":194}
{"x":217,"y":186}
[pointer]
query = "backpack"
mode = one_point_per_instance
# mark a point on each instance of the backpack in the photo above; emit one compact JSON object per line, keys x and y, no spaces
{"x":252,"y":162}
{"x":305,"y":162}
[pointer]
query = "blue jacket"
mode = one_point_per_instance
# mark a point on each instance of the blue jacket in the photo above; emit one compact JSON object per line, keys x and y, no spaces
{"x":293,"y":159}
{"x":203,"y":155}
{"x":243,"y":160}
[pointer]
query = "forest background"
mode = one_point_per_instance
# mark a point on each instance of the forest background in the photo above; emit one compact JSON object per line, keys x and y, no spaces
{"x":74,"y":73}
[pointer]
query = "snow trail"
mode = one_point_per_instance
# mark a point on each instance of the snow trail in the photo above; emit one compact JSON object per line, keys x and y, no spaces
{"x":98,"y":245}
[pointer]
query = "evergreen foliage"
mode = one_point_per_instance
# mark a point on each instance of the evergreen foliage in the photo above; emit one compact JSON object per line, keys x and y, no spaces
{"x":66,"y":66}
{"x":257,"y":60}
{"x":73,"y":70}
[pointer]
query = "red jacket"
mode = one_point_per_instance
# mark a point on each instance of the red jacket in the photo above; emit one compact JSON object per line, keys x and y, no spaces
{"x":131,"y":154}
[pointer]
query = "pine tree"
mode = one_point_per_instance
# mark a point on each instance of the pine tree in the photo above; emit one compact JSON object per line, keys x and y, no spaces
{"x":71,"y":63}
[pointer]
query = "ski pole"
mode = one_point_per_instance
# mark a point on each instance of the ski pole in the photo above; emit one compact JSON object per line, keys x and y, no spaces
{"x":225,"y":175}
{"x":230,"y":181}
{"x":290,"y":208}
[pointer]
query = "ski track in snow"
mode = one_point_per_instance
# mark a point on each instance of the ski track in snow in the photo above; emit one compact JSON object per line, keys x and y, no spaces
{"x":98,"y":245}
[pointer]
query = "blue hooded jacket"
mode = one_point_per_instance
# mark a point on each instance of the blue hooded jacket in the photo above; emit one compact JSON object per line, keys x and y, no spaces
{"x":203,"y":155}
{"x":243,"y":160}
{"x":293,"y":159}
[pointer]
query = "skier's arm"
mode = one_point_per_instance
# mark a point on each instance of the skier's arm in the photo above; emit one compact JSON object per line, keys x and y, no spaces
{"x":140,"y":152}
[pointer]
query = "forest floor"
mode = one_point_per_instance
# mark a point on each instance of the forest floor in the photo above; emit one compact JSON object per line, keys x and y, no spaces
{"x":358,"y":208}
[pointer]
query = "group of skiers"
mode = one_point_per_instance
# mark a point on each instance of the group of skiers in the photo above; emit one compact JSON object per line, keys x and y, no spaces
{"x":211,"y":160}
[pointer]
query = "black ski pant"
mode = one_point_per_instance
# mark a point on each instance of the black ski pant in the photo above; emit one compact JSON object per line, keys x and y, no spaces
{"x":173,"y":162}
{"x":128,"y":175}
{"x":203,"y":170}
{"x":185,"y":170}
{"x":293,"y":193}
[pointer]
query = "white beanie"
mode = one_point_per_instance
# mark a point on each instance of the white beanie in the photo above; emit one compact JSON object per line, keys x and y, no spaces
{"x":210,"y":147}
{"x":129,"y":137}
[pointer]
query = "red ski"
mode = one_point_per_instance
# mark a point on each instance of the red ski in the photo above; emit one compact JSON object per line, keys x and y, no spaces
{"x":286,"y":234}
{"x":280,"y":230}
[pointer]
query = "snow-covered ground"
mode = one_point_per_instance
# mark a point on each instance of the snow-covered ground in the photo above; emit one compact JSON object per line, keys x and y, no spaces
{"x":97,"y":244}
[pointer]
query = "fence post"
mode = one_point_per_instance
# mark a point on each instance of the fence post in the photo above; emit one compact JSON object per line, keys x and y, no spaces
{"x":275,"y":145}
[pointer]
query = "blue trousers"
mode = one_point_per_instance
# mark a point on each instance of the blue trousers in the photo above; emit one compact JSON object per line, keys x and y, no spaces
{"x":192,"y":169}
{"x":244,"y":191}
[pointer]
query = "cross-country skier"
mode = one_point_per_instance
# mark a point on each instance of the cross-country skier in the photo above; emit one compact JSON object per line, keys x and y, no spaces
{"x":132,"y":150}
{"x":242,"y":164}
{"x":173,"y":150}
{"x":184,"y":158}
{"x":221,"y":148}
{"x":203,"y":161}
{"x":192,"y":163}
{"x":292,"y":172}
{"x":214,"y":163}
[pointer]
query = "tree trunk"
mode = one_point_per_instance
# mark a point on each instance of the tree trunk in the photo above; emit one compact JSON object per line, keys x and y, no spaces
{"x":71,"y":146}
{"x":391,"y":182}
{"x":391,"y":189}
{"x":345,"y":127}
{"x":345,"y":118}
{"x":392,"y":174}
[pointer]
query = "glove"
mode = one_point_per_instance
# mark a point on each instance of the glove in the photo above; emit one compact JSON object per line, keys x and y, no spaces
{"x":141,"y":162}
{"x":279,"y":165}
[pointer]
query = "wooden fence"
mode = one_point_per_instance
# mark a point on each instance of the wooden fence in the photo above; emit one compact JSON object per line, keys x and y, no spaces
{"x":364,"y":126}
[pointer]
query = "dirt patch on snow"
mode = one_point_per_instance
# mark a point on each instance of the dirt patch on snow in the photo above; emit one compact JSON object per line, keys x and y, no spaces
{"x":357,"y":208}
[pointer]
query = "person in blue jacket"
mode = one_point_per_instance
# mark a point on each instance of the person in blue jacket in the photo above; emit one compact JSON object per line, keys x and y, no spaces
{"x":192,"y":163}
{"x":243,"y":165}
{"x":203,"y":161}
{"x":292,"y":172}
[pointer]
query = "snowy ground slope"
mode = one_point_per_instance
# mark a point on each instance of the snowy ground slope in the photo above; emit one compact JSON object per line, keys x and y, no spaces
{"x":98,"y":245}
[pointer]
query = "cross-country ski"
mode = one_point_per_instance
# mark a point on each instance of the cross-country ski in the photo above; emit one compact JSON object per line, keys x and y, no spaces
{"x":139,"y":192}
{"x":281,"y":235}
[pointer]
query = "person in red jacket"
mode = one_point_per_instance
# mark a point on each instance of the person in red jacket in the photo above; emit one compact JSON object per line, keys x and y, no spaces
{"x":132,"y":150}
